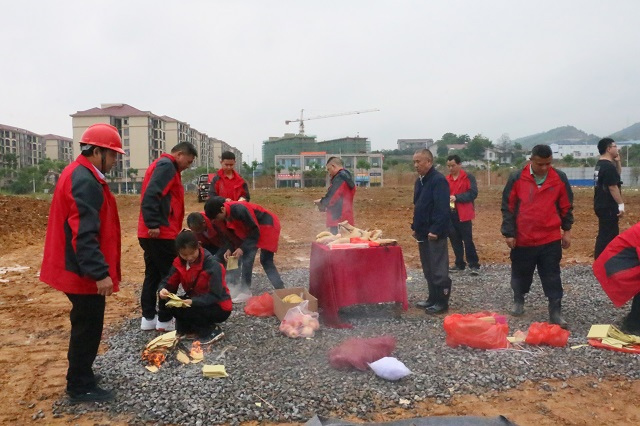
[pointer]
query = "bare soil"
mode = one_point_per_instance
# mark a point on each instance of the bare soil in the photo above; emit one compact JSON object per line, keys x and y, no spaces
{"x":34,"y":324}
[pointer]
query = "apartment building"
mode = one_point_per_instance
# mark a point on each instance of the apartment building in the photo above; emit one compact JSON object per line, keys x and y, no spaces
{"x":28,"y":147}
{"x":414,"y":144}
{"x":145,"y":136}
{"x":58,"y":148}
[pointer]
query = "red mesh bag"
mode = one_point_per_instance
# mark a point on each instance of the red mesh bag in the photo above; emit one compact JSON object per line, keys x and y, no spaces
{"x":260,"y":306}
{"x":357,"y":352}
{"x":482,"y":330}
{"x":543,"y":333}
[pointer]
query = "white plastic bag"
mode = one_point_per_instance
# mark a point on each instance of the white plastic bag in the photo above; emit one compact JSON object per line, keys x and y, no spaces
{"x":389,"y":368}
{"x":300,"y":321}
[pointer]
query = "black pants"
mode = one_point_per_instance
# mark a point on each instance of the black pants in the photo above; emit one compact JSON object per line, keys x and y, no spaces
{"x":546,"y":258}
{"x":266,"y":260}
{"x":158,"y":257}
{"x":461,"y":236}
{"x":232,"y":277}
{"x":87,"y":317}
{"x":608,"y":229}
{"x":198,"y":319}
{"x":434,"y":257}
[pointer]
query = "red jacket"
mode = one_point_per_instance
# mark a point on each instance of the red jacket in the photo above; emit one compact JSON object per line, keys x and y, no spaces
{"x":82,"y":244}
{"x":466,"y":190}
{"x":204,"y":282}
{"x":161,"y":199}
{"x":618,"y":266}
{"x":234,"y":188}
{"x":217,"y":234}
{"x":253,"y":224}
{"x":535,"y":215}
{"x":338,"y":202}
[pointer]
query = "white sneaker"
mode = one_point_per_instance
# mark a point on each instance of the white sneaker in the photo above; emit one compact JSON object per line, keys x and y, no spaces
{"x":166,"y":325}
{"x":148,"y":324}
{"x":242,"y":297}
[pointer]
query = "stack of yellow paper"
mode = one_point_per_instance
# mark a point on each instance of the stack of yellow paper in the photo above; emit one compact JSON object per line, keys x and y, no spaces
{"x":176,"y":302}
{"x":232,"y":263}
{"x":164,"y":341}
{"x":215,"y":371}
{"x":611,"y":336}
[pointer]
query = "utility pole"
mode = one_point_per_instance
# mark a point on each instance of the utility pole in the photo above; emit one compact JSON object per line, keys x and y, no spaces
{"x":253,"y":169}
{"x":488,"y":173}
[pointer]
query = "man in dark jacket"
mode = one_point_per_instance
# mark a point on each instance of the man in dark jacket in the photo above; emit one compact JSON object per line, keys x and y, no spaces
{"x":430,"y":228}
{"x":160,"y":221}
{"x":82,"y":253}
{"x":607,"y":198}
{"x":463,"y":190}
{"x":537,"y":203}
{"x":338,"y":203}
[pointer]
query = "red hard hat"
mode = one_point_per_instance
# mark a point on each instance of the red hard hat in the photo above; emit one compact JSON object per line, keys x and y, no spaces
{"x":103,"y":135}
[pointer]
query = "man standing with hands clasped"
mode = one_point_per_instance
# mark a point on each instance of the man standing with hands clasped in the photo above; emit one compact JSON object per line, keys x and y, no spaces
{"x":607,"y":198}
{"x":430,"y":228}
{"x":537,"y":203}
{"x":338,"y":202}
{"x":82,"y":253}
{"x":463,"y":189}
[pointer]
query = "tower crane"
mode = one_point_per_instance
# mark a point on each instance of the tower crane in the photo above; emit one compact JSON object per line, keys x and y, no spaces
{"x":302,"y":119}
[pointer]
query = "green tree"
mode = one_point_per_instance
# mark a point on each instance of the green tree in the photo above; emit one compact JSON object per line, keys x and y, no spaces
{"x":568,"y":159}
{"x":448,"y":139}
{"x":442,"y":150}
{"x":477,"y":146}
{"x":363,"y":164}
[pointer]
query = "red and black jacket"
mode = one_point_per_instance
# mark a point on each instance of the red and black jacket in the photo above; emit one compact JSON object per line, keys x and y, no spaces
{"x":465,"y":189}
{"x":532,"y":215}
{"x":204,"y":282}
{"x":338,"y":202}
{"x":161,"y":199}
{"x":234,"y":188}
{"x":254,"y":225}
{"x":82,"y":244}
{"x":618,"y":266}
{"x":217,"y":235}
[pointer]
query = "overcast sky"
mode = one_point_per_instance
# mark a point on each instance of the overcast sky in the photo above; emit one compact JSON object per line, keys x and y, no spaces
{"x":237,"y":70}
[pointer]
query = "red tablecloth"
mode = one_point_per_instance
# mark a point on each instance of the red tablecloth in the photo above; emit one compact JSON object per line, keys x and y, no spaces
{"x":339,"y":278}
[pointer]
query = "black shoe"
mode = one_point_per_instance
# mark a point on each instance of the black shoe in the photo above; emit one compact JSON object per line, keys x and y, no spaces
{"x":441,"y":304}
{"x":214,"y":336}
{"x":425,"y":303}
{"x":437,"y":308}
{"x":97,"y":378}
{"x":456,"y":268}
{"x":96,"y":394}
{"x":630,"y":326}
{"x":555,"y":313}
{"x":518,"y":305}
{"x":475,"y":271}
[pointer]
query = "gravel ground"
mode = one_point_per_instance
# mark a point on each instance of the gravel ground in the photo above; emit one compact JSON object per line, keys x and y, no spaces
{"x":291,"y":378}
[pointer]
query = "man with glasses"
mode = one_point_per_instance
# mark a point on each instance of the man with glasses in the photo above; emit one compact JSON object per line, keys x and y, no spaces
{"x":607,"y":198}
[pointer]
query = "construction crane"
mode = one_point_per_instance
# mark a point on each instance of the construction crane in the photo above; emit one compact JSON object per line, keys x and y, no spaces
{"x":301,"y":120}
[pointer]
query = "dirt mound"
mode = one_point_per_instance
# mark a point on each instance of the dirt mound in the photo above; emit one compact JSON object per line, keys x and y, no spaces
{"x":23,"y":221}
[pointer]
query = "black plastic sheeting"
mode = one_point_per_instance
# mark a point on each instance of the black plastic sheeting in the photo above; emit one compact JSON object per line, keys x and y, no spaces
{"x":422,"y":421}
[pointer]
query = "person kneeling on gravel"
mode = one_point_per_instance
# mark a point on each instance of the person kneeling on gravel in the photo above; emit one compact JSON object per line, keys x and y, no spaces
{"x":207,"y":297}
{"x":617,"y":269}
{"x":537,"y":203}
{"x":257,"y":228}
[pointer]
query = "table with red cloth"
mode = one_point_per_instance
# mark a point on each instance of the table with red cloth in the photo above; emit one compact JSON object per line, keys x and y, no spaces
{"x":339,"y":278}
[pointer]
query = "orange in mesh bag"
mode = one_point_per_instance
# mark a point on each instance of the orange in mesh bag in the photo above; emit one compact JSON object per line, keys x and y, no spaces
{"x":482,"y":330}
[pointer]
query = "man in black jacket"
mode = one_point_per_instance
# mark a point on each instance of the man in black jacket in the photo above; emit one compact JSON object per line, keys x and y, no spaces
{"x":430,"y":228}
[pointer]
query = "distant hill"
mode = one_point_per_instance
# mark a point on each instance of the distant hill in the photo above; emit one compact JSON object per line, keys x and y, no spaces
{"x":631,"y":133}
{"x":565,"y":133}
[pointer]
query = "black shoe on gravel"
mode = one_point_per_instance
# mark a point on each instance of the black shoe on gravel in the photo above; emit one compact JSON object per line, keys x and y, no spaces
{"x":97,"y":394}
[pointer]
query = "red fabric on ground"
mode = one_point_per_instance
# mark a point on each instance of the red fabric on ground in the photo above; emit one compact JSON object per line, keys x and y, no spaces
{"x":339,"y":278}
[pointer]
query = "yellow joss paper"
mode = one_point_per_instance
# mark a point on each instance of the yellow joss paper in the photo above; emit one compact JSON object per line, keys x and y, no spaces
{"x":217,"y":371}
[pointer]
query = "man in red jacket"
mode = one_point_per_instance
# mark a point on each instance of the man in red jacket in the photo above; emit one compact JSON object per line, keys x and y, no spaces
{"x":227,"y":183}
{"x":82,"y":253}
{"x":160,"y":221}
{"x":463,"y":189}
{"x":537,"y":203}
{"x":257,"y":228}
{"x":617,"y":269}
{"x":338,"y":203}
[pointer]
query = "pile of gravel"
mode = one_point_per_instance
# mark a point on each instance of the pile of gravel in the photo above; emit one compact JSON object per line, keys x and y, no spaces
{"x":272,"y":377}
